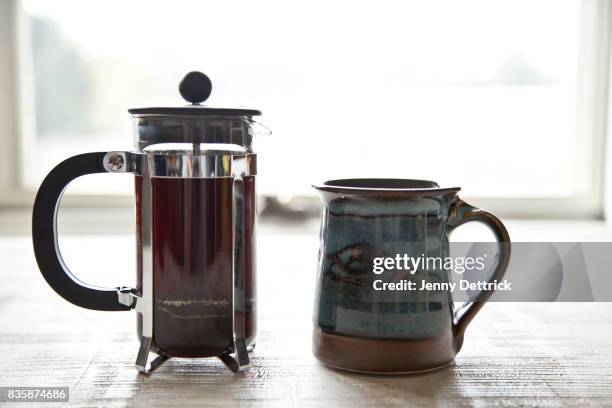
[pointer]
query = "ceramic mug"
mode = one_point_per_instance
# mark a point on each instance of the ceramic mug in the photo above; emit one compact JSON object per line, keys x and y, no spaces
{"x":360,"y":329}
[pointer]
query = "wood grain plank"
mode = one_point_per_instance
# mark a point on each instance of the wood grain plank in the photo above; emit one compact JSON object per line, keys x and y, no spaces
{"x":539,"y":355}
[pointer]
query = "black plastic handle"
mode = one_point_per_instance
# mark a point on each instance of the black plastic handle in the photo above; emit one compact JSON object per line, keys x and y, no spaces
{"x":44,"y":236}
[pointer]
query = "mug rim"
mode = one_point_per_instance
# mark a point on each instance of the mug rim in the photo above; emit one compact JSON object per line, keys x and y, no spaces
{"x":382,"y":185}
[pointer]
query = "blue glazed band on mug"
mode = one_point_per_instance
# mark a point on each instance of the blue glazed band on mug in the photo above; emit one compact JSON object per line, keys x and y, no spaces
{"x":360,"y":329}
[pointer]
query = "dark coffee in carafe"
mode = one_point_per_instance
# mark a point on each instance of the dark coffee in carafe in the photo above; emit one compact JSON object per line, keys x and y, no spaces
{"x":192,"y":263}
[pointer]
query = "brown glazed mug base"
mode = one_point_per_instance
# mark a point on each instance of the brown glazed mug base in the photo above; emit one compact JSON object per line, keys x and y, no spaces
{"x":375,"y":356}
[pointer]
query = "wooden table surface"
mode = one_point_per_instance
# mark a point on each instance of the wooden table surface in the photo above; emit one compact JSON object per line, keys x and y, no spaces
{"x":557,"y":354}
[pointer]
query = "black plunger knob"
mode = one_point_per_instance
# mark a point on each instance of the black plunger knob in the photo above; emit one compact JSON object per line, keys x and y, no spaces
{"x":195,"y":87}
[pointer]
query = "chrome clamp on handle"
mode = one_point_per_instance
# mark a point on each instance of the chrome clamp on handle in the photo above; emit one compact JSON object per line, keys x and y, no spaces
{"x":127,"y":297}
{"x":122,"y":162}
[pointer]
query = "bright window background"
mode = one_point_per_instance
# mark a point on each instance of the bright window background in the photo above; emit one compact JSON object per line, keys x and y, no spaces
{"x":480,"y":94}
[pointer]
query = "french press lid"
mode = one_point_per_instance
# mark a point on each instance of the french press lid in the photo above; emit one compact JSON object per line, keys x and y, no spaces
{"x":194,"y":123}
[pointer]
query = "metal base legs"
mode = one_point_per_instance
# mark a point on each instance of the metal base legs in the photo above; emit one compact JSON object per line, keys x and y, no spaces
{"x":237,"y":361}
{"x":142,"y":364}
{"x":240,"y":360}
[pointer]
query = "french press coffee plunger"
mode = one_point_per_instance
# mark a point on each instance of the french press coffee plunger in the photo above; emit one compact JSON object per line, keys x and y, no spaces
{"x":194,"y":170}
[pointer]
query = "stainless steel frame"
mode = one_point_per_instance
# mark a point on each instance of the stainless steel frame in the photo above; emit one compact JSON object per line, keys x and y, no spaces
{"x":209,"y":164}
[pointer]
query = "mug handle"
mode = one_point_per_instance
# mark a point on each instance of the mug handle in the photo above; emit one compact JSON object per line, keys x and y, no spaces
{"x":44,"y":231}
{"x":461,"y":213}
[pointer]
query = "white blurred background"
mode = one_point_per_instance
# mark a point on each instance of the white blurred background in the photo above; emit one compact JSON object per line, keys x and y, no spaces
{"x":505,"y":98}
